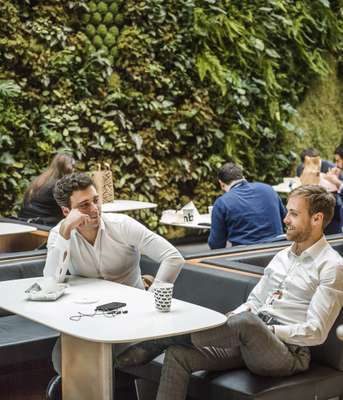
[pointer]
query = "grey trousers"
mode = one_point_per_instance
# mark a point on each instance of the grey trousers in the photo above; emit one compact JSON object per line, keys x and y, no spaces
{"x":244,"y":341}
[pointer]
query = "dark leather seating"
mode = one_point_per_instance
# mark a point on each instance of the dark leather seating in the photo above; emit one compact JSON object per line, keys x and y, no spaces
{"x":255,"y":262}
{"x":22,"y":340}
{"x":223,"y":290}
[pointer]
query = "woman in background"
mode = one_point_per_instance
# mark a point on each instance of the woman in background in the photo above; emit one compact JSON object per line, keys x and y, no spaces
{"x":39,"y":204}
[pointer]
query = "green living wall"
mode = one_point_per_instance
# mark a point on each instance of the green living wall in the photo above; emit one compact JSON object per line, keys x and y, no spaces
{"x":163,"y":90}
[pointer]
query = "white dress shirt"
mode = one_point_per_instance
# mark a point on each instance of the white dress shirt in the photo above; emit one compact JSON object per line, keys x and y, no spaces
{"x":304,"y":293}
{"x":115,"y":255}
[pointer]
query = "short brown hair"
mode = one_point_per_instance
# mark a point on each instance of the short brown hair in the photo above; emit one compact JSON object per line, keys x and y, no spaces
{"x":65,"y":187}
{"x":319,"y":200}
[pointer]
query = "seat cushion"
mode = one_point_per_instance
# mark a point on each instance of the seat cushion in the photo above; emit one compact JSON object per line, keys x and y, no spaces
{"x":330,"y":353}
{"x":23,"y":340}
{"x":319,"y":383}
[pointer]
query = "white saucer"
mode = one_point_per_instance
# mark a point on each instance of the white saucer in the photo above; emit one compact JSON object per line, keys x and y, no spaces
{"x":85,"y":300}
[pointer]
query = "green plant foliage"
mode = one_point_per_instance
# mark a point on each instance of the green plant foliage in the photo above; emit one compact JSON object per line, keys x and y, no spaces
{"x":187,"y":85}
{"x":113,"y":8}
{"x":102,"y":7}
{"x":102,"y":30}
{"x":108,"y":19}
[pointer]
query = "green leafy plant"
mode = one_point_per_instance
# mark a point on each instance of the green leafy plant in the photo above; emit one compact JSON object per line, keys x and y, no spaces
{"x":164,"y":91}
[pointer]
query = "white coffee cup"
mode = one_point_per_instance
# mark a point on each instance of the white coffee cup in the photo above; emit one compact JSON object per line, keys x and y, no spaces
{"x":163,"y":294}
{"x":188,"y":215}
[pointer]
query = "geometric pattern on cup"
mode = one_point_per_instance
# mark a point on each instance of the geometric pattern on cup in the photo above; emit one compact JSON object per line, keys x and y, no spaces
{"x":163,"y":297}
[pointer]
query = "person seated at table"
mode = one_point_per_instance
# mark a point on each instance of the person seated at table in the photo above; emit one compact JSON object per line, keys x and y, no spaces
{"x":334,"y":175}
{"x":325,"y":165}
{"x":292,"y":308}
{"x":246,"y":213}
{"x":39,"y":204}
{"x":107,"y":246}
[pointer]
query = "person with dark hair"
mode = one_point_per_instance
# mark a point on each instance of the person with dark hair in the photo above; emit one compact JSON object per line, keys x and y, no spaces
{"x":335,"y":175}
{"x":108,"y":246}
{"x":246,"y":213}
{"x":84,"y":242}
{"x":39,"y":205}
{"x":325,"y":165}
{"x":292,"y":308}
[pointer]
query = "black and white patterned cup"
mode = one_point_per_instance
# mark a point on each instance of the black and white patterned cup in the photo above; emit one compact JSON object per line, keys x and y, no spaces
{"x":163,"y":293}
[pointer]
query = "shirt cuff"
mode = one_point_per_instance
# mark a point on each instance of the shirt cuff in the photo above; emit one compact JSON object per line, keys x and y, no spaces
{"x":282,"y":332}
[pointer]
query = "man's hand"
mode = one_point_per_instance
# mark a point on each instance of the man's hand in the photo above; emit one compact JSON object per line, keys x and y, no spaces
{"x":74,"y":219}
{"x":232,"y":313}
{"x":332,"y":177}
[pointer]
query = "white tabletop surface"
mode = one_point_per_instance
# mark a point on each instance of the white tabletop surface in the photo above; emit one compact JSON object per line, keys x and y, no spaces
{"x":126,"y":205}
{"x":291,"y":183}
{"x":9,"y":228}
{"x":202,"y":218}
{"x":140,"y":323}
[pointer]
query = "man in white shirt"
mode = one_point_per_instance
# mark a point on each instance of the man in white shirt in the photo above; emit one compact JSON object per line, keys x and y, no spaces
{"x":108,"y":246}
{"x":91,"y":244}
{"x":292,"y":307}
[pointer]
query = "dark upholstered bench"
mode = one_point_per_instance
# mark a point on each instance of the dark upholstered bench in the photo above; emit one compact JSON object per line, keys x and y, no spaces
{"x":223,"y":290}
{"x":254,"y":262}
{"x":22,"y":340}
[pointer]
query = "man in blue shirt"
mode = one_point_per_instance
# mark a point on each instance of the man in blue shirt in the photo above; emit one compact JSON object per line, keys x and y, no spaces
{"x":246,"y":213}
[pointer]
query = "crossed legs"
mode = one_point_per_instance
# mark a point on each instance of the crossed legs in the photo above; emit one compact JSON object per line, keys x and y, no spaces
{"x":243,"y":341}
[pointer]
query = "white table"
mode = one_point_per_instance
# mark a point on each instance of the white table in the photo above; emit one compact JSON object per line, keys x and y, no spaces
{"x":126,"y":205}
{"x":291,"y":183}
{"x":203,"y":221}
{"x":9,"y":228}
{"x":87,"y":344}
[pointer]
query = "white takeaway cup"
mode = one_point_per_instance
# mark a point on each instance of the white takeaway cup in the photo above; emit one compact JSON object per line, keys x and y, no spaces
{"x":163,"y":294}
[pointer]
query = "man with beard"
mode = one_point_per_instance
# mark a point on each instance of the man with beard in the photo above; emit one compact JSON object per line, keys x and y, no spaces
{"x":293,"y":306}
{"x":90,"y":244}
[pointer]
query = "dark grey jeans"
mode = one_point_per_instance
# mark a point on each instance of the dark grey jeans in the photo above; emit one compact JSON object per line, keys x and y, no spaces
{"x":244,"y":341}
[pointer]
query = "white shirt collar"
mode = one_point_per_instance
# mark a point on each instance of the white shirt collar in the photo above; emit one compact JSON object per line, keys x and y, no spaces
{"x":312,"y":252}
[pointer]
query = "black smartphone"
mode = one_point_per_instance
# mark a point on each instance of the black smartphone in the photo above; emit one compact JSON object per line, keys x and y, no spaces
{"x":110,"y":306}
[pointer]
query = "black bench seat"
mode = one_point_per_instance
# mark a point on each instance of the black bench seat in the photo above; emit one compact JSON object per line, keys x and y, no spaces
{"x":240,"y":384}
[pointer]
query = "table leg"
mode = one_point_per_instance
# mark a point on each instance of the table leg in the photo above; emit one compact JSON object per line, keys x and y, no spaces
{"x":86,"y":369}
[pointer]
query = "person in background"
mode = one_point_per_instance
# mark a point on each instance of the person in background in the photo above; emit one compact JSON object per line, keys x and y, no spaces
{"x":325,"y":165}
{"x":292,"y":308}
{"x":246,"y":213}
{"x":334,"y":175}
{"x":39,"y":205}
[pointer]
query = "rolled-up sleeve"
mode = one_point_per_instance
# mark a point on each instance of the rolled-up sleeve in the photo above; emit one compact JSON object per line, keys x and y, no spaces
{"x":154,"y":246}
{"x":322,"y":312}
{"x":58,"y":257}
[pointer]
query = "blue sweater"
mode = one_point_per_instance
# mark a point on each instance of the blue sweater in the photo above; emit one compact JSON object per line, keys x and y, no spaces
{"x":248,"y":213}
